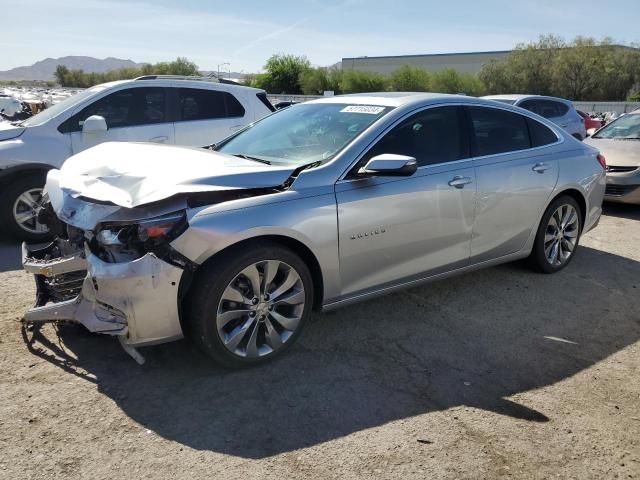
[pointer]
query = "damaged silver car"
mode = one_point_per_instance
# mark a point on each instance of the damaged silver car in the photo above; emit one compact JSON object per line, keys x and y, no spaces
{"x":317,"y":206}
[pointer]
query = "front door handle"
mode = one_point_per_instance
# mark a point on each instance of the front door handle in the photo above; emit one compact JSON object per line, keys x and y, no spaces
{"x":459,"y":182}
{"x":160,"y":139}
{"x":540,"y":167}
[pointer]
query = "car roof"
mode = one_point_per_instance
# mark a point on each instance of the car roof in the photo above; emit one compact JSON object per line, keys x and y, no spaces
{"x":186,"y":82}
{"x":517,"y":97}
{"x":396,"y":99}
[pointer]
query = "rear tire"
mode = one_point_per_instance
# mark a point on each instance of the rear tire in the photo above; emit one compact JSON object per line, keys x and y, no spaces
{"x":558,"y":236}
{"x":239,"y":326}
{"x":20,"y":202}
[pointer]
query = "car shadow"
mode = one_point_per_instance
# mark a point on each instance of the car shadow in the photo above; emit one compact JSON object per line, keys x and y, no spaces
{"x":472,"y":340}
{"x":621,"y":210}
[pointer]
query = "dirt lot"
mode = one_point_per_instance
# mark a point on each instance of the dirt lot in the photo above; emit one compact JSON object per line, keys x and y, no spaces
{"x":499,"y":373}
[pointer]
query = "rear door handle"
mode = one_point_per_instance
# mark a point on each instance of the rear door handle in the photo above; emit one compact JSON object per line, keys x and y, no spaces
{"x":459,"y":182}
{"x":160,"y":139}
{"x":540,"y":167}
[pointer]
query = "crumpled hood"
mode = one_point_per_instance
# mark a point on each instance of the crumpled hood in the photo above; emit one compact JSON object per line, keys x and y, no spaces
{"x":619,"y":153}
{"x":9,"y":131}
{"x":133,"y":174}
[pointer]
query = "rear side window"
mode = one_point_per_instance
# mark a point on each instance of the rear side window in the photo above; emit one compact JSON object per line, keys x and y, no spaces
{"x":197,"y":104}
{"x":498,"y":131}
{"x":125,"y":108}
{"x":540,"y":134}
{"x":432,"y":136}
{"x":545,"y":108}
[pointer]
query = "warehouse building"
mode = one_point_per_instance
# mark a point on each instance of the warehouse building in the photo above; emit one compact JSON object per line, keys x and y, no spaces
{"x":470,"y":62}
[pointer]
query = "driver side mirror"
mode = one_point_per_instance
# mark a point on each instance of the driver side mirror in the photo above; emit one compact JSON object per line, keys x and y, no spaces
{"x":94,"y":124}
{"x":390,"y":165}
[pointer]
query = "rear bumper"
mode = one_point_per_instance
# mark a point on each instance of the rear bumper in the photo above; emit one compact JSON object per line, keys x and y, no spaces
{"x":137,"y":300}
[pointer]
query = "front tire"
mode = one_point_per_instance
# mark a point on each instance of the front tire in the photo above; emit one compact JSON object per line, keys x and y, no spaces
{"x":558,"y":236}
{"x":20,"y":203}
{"x":250,"y":305}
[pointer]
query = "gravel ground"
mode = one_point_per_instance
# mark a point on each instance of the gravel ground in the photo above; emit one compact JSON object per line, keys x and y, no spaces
{"x":495,"y":374}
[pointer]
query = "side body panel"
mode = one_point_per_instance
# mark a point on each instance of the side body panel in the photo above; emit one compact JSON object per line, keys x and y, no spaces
{"x":308,"y":219}
{"x":510,"y":195}
{"x":392,"y":229}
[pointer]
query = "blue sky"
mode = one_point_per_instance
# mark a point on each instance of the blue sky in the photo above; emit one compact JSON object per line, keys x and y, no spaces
{"x":246,"y":32}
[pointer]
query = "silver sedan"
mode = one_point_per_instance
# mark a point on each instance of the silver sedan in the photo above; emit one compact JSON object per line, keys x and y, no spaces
{"x":317,"y":206}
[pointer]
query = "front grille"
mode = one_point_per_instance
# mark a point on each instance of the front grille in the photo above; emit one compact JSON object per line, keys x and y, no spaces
{"x":619,"y":190}
{"x":616,"y":169}
{"x":63,"y":287}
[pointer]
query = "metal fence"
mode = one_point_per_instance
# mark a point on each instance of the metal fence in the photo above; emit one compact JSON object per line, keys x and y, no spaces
{"x":618,"y":107}
{"x":291,"y":98}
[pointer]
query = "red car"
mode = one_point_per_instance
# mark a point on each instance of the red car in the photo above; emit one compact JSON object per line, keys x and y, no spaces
{"x":589,"y":122}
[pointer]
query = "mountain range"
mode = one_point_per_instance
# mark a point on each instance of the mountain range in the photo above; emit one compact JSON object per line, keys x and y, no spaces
{"x":44,"y":69}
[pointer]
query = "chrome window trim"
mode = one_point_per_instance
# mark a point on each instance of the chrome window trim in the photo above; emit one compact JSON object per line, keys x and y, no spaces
{"x":560,"y":138}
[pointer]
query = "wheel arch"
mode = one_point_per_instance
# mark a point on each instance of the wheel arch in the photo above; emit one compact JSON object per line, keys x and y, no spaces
{"x":10,"y":173}
{"x":578,"y":196}
{"x":295,"y":245}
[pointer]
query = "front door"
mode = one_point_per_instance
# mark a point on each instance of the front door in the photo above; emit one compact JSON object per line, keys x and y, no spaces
{"x":137,"y":114}
{"x":395,"y":229}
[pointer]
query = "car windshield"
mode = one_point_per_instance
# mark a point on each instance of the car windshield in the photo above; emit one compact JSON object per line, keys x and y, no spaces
{"x":626,"y":127}
{"x":303,"y":133}
{"x":58,"y":108}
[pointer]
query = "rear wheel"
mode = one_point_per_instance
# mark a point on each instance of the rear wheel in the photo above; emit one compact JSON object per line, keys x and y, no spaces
{"x":20,"y":203}
{"x":558,"y":235}
{"x":246,"y":309}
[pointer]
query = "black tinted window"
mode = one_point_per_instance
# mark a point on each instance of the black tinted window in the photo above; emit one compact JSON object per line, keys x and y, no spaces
{"x":545,"y":108}
{"x":196,"y":104}
{"x":432,"y":136}
{"x":126,"y":108}
{"x":540,"y":134}
{"x":498,"y":131}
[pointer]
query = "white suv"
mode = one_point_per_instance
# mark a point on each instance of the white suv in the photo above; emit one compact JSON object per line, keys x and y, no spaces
{"x":558,"y":110}
{"x":188,"y":111}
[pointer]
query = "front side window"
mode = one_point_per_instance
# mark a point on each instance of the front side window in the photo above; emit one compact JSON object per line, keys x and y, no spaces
{"x":498,"y":131}
{"x":199,"y":104}
{"x":304,"y":133}
{"x":432,"y":136}
{"x":125,"y":108}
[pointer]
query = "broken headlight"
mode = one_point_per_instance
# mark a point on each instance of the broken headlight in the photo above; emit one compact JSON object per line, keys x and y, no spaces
{"x":127,"y":241}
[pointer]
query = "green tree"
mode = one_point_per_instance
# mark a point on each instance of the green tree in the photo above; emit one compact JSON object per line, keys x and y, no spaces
{"x":410,"y":79}
{"x":61,"y":74}
{"x":283,"y":74}
{"x":355,"y":81}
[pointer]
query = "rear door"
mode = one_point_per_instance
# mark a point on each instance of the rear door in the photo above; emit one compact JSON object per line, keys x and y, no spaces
{"x":395,"y":229}
{"x":515,"y":175}
{"x":206,"y":116}
{"x":135,"y":114}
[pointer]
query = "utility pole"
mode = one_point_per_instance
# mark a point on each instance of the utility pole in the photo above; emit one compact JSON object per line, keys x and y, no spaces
{"x":222,"y":65}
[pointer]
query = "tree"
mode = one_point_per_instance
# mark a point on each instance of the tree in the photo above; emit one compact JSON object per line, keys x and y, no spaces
{"x":315,"y":81}
{"x":81,"y":79}
{"x":410,"y":79}
{"x":355,"y":81}
{"x":283,"y":74}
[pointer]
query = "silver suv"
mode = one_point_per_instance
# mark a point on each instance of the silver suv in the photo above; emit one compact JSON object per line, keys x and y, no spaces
{"x":558,"y":110}
{"x":319,"y":205}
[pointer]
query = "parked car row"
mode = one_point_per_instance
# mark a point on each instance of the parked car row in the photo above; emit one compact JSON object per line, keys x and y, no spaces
{"x":317,"y":206}
{"x":157,"y":109}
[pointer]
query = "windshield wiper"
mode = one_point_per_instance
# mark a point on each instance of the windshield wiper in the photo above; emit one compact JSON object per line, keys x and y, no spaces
{"x":255,"y":159}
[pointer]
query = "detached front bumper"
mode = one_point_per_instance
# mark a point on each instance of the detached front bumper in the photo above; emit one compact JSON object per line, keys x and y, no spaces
{"x":623,"y":187}
{"x":136,"y":301}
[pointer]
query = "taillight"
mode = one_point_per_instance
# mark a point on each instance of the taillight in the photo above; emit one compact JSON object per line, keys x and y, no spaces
{"x":602,"y":161}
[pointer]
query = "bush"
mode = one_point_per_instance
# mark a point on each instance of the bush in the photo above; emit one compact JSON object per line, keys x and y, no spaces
{"x":354,"y":81}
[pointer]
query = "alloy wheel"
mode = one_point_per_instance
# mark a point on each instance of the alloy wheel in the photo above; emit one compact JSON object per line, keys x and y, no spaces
{"x":561,"y":236}
{"x":260,"y":309}
{"x":25,"y":211}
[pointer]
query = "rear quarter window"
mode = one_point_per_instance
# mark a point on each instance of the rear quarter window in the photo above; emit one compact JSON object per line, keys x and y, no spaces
{"x":540,"y":134}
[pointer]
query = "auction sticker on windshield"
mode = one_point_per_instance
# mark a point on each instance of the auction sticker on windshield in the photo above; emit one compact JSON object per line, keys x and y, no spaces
{"x":371,"y":110}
